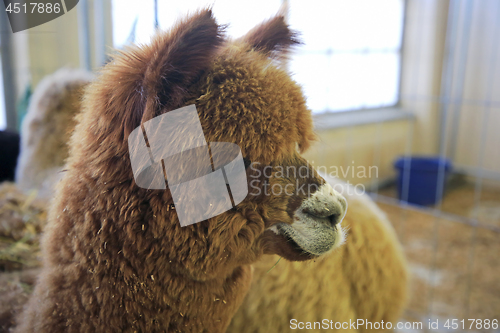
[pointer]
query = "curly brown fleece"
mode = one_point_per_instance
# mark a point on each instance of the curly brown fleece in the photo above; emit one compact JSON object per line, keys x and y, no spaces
{"x":115,"y":257}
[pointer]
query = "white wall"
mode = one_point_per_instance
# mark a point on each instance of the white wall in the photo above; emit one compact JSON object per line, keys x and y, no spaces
{"x":476,"y":114}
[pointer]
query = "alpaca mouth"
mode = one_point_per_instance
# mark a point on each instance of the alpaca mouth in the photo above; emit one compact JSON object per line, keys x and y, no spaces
{"x":313,"y":240}
{"x":293,"y":244}
{"x":306,"y":238}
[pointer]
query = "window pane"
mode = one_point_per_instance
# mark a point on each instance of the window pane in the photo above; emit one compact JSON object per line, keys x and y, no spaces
{"x":241,"y":15}
{"x":351,"y":56}
{"x":347,"y":81}
{"x":312,"y":71}
{"x":348,"y":25}
{"x":381,"y":79}
{"x":124,"y":13}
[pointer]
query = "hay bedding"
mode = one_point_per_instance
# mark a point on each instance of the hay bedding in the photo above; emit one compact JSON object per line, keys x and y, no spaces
{"x":446,"y":281}
{"x":455,"y":267}
{"x":22,"y":218}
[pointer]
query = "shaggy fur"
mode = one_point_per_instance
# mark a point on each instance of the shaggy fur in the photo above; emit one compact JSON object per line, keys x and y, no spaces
{"x":348,"y":284}
{"x":115,"y":257}
{"x":367,"y":278}
{"x":47,"y":127}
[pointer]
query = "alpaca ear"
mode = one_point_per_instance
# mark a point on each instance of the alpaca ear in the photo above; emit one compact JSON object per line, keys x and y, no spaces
{"x":174,"y":60}
{"x":272,"y":37}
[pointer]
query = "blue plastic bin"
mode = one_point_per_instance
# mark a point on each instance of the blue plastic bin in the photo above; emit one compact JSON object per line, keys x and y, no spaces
{"x":423,"y":182}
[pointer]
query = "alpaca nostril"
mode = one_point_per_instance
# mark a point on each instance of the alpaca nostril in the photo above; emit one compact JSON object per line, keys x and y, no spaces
{"x":317,"y":213}
{"x":334,"y":219}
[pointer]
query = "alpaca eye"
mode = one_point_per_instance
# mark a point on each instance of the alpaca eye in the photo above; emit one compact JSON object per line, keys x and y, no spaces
{"x":247,"y":163}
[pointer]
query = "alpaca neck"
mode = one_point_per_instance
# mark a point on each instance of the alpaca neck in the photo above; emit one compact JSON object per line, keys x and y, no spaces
{"x":177,"y":302}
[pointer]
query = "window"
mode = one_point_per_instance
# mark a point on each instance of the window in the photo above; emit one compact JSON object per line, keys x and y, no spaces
{"x":351,"y":54}
{"x":241,"y":16}
{"x":133,"y":21}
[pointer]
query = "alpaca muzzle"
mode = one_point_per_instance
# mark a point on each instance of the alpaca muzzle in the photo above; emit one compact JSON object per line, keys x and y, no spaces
{"x":326,"y":204}
{"x":316,"y":227}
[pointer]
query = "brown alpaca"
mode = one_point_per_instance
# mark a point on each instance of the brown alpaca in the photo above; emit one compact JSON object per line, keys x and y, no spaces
{"x":115,"y":256}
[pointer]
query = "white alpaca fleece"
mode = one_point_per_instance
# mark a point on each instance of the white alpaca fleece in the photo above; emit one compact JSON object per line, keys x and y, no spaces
{"x":47,"y":127}
{"x":366,"y":278}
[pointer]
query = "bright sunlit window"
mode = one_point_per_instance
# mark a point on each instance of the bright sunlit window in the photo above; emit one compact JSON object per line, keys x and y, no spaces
{"x":351,"y":57}
{"x":352,"y":52}
{"x":241,"y":16}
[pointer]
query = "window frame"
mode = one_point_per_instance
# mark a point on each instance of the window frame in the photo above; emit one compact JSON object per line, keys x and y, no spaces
{"x":359,"y":116}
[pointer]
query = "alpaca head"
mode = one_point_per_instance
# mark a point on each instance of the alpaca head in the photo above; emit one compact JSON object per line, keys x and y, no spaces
{"x":247,"y":97}
{"x":242,"y":96}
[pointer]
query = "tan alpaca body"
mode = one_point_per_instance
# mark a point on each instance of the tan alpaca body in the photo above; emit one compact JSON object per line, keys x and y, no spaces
{"x":47,"y":127}
{"x":365,"y":279}
{"x":115,"y":257}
